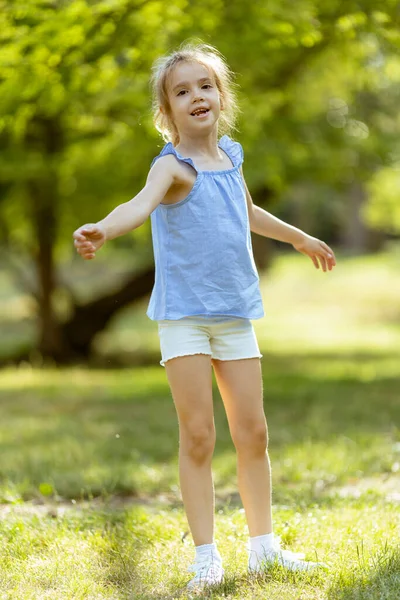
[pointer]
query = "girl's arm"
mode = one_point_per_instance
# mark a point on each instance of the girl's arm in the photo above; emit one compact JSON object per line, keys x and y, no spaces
{"x":130,"y":215}
{"x":265,"y":224}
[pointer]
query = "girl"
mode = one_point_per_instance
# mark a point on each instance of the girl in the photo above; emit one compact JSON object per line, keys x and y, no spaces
{"x":207,"y":292}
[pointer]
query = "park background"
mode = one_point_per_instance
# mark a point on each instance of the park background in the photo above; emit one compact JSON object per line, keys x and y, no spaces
{"x":89,"y":499}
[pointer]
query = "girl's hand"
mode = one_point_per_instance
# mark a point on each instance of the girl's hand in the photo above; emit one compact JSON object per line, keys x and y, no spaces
{"x":88,"y":239}
{"x":317,"y":251}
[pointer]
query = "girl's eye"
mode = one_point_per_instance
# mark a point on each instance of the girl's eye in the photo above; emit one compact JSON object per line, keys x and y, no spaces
{"x":205,"y":86}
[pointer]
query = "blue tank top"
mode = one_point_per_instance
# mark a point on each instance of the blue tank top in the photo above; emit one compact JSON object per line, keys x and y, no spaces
{"x":202,"y":247}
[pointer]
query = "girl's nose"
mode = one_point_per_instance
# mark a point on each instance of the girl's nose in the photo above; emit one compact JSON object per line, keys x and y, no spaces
{"x":198,"y":97}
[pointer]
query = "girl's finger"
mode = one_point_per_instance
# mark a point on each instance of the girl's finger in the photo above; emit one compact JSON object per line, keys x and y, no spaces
{"x":83,"y":250}
{"x":314,"y":259}
{"x":329,"y":250}
{"x":322,"y":261}
{"x":331,"y":262}
{"x":90,"y":231}
{"x":81,"y":245}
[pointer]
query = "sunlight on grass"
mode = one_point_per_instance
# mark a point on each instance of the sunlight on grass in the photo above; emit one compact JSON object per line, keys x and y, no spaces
{"x":354,"y":307}
{"x":78,"y":379}
{"x":141,"y":553}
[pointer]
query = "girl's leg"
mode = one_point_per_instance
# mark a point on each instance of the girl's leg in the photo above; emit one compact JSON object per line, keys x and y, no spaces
{"x":190,"y":380}
{"x":240,"y":385}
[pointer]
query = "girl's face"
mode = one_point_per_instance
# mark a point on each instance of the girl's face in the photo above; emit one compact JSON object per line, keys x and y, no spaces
{"x":194,"y":98}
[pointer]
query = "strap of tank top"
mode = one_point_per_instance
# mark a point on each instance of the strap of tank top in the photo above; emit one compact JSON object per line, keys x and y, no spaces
{"x":169,"y":149}
{"x":233,"y":149}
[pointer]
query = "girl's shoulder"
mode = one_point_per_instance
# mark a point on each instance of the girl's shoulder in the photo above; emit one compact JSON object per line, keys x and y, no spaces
{"x":169,"y":151}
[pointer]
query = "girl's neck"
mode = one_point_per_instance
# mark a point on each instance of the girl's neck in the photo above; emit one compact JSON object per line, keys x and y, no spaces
{"x":203,"y":147}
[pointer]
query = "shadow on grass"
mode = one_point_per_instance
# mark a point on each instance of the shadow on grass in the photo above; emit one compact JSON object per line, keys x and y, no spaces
{"x":379,"y":580}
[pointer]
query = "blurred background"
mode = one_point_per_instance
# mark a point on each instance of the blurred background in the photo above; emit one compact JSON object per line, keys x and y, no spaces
{"x":86,"y":415}
{"x":319,"y":93}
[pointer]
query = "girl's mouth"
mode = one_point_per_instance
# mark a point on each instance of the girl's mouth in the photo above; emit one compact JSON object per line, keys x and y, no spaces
{"x":200,"y":112}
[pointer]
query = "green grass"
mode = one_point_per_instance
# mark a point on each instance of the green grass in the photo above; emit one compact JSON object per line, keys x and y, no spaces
{"x":89,"y":498}
{"x":138,"y":553}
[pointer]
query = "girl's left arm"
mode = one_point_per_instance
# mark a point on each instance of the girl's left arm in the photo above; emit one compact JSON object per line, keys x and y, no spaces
{"x":265,"y":224}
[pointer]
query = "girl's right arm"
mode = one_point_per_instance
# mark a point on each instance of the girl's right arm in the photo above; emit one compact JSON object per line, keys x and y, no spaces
{"x":130,"y":215}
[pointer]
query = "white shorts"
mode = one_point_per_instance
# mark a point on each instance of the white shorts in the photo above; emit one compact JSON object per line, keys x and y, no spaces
{"x":232,"y":339}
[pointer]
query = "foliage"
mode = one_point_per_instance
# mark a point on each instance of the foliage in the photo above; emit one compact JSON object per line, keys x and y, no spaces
{"x":309,"y":75}
{"x":382,"y":210}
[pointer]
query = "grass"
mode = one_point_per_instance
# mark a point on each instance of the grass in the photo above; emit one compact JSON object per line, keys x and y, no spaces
{"x":89,"y":498}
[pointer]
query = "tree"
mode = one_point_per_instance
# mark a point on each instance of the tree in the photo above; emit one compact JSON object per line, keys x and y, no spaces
{"x":77,"y":136}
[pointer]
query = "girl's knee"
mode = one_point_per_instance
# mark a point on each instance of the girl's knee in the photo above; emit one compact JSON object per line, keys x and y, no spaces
{"x":251,"y":438}
{"x":198,"y":441}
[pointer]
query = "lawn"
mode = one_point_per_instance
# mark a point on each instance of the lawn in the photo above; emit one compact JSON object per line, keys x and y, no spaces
{"x":90,"y":505}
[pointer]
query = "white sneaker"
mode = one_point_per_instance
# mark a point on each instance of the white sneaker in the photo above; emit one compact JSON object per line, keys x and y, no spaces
{"x":208,"y":571}
{"x":290,"y":560}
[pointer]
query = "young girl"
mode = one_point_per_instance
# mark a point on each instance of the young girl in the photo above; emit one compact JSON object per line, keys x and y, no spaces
{"x":207,"y":292}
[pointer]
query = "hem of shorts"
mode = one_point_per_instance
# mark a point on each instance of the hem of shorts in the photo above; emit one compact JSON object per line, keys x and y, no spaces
{"x":162,"y":362}
{"x":167,"y":316}
{"x":238,"y":357}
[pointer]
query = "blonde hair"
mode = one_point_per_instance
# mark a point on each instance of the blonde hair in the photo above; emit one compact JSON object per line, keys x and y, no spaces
{"x":209,"y":57}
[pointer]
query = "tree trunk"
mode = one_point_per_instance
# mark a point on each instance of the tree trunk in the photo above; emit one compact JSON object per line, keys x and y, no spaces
{"x":49,"y":342}
{"x":75,"y":336}
{"x":355,"y":232}
{"x":46,"y":136}
{"x":89,"y":319}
